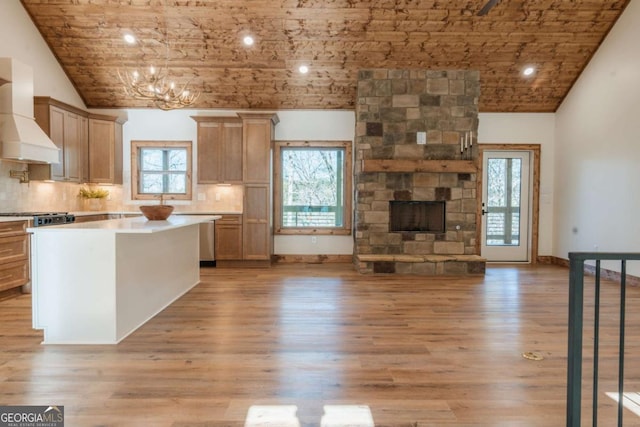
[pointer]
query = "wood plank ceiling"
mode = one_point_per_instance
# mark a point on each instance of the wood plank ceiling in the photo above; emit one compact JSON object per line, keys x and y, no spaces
{"x":335,"y":38}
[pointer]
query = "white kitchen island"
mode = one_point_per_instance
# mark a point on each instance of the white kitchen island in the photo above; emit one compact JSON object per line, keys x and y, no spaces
{"x":97,"y":282}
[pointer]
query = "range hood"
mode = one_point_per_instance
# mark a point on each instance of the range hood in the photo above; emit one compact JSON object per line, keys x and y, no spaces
{"x":21,"y":139}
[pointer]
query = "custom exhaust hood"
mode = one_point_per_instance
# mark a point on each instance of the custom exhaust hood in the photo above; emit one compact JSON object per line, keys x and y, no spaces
{"x":21,"y":139}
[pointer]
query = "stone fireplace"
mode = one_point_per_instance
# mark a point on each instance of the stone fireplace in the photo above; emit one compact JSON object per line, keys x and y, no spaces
{"x":430,"y":188}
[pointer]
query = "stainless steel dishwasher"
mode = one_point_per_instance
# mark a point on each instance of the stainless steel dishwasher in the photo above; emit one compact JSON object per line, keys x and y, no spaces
{"x":207,"y":244}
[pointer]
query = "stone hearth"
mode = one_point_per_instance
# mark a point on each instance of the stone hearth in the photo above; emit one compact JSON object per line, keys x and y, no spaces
{"x":393,"y":105}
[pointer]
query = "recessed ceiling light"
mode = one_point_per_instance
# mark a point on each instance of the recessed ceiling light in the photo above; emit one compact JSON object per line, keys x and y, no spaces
{"x":528,"y":71}
{"x":303,"y":69}
{"x":130,"y":38}
{"x":248,"y":41}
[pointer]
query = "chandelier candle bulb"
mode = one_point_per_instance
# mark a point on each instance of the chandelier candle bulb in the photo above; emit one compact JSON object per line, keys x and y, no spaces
{"x":461,"y":145}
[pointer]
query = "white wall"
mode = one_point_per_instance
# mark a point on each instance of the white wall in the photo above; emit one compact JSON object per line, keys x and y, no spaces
{"x":528,"y":128}
{"x":597,"y":191}
{"x":20,"y":39}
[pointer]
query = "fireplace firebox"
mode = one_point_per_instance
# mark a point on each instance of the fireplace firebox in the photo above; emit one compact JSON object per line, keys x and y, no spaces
{"x":417,"y":216}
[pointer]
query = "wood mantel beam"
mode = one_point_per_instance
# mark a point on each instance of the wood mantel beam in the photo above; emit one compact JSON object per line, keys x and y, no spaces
{"x":403,"y":166}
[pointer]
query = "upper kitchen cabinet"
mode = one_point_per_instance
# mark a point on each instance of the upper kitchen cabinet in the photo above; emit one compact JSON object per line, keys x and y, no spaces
{"x":66,"y":126}
{"x":84,"y":136}
{"x":219,"y":150}
{"x":257,"y":135}
{"x":105,"y":149}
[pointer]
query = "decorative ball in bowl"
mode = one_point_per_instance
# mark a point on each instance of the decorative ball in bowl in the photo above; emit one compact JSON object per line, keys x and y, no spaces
{"x":156,"y":212}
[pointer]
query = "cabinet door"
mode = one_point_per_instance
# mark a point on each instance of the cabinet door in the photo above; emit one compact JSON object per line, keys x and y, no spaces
{"x":14,"y":274}
{"x":84,"y":149}
{"x":66,"y":126}
{"x":14,"y":254}
{"x":118,"y":158}
{"x":228,"y":238}
{"x":56,"y":133}
{"x":101,"y":151}
{"x":257,"y":150}
{"x":220,"y":151}
{"x":231,"y":152}
{"x":209,"y":149}
{"x":72,"y":147}
{"x":257,"y":241}
{"x":14,"y":248}
{"x":90,"y":218}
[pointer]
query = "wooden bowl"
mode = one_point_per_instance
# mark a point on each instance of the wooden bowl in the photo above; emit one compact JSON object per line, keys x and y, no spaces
{"x":156,"y":212}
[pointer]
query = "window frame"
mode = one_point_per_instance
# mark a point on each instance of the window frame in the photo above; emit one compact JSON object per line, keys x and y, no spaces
{"x":345,"y":229}
{"x":135,"y":169}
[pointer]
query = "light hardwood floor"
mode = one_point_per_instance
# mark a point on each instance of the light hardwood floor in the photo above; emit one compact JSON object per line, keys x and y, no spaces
{"x":418,"y":351}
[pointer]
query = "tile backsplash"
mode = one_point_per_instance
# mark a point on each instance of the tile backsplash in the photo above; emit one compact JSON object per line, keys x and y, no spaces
{"x":61,"y":196}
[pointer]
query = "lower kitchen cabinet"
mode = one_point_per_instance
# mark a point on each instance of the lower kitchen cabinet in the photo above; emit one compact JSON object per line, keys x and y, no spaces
{"x":228,"y":238}
{"x":14,"y":254}
{"x":89,"y":218}
{"x":257,"y":240}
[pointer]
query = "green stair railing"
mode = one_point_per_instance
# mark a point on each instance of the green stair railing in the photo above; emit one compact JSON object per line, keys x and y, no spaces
{"x":576,"y":323}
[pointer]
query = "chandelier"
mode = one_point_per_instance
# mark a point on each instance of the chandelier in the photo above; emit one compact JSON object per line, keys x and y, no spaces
{"x":156,"y":84}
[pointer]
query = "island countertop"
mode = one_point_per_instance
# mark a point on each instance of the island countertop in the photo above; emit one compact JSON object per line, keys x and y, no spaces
{"x":136,"y":225}
{"x":97,"y":282}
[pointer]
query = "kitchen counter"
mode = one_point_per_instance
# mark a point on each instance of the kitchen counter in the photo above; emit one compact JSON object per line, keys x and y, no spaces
{"x":138,"y":224}
{"x":136,"y":213}
{"x":97,"y":282}
{"x":88,"y":213}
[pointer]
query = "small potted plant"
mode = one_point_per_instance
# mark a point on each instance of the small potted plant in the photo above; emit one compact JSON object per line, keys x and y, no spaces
{"x":93,"y":197}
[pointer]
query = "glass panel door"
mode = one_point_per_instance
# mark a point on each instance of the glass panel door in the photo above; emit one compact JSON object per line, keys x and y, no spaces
{"x":505,"y":207}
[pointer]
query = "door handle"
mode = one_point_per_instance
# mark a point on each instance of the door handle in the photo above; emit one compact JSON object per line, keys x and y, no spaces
{"x":483,"y":211}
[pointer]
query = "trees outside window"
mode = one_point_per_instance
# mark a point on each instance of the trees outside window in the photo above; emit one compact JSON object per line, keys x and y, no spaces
{"x":161,"y":167}
{"x":313,"y":187}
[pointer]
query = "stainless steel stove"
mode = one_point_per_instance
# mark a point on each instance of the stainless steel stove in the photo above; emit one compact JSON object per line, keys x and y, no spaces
{"x":41,"y":219}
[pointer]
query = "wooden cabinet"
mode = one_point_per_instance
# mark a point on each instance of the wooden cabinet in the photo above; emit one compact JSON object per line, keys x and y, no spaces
{"x":228,"y":238}
{"x":232,"y":150}
{"x":89,"y":218}
{"x":105,"y":149}
{"x":84,"y":137}
{"x":67,"y":128}
{"x":257,"y":230}
{"x":14,"y":254}
{"x":257,"y":137}
{"x":257,"y":241}
{"x":219,"y":150}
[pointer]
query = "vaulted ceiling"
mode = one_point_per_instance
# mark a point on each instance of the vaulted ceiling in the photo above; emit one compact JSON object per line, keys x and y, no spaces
{"x":335,"y":38}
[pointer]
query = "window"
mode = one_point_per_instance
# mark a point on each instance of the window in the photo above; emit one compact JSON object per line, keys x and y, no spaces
{"x":161,"y":167}
{"x":313,"y":187}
